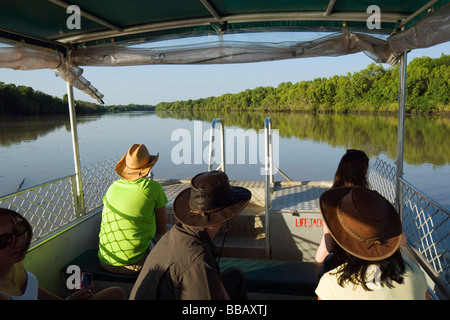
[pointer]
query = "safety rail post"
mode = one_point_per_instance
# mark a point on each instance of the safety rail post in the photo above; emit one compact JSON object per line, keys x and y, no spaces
{"x":268,"y":175}
{"x":222,"y":144}
{"x":79,"y":202}
{"x":400,"y":135}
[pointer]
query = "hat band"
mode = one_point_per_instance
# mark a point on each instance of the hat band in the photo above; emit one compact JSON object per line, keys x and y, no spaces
{"x":204,"y":213}
{"x":369,"y":241}
{"x":141,"y":167}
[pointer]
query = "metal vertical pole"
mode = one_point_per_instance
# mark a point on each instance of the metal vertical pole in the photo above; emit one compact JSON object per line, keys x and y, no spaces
{"x":80,"y":209}
{"x":222,"y":144}
{"x":400,"y":134}
{"x":268,"y":182}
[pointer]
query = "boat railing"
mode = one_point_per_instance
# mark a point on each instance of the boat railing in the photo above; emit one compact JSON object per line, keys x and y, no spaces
{"x":212,"y":144}
{"x":47,"y":206}
{"x":426,"y":223}
{"x":268,"y":180}
{"x":51,"y":206}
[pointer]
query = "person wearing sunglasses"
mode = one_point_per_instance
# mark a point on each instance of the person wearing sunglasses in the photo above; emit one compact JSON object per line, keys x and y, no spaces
{"x":16,"y":283}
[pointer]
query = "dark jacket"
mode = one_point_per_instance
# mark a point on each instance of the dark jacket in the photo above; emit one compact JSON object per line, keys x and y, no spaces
{"x":182,"y":266}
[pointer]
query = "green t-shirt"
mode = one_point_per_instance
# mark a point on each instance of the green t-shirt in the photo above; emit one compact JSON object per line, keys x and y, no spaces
{"x":128,"y":220}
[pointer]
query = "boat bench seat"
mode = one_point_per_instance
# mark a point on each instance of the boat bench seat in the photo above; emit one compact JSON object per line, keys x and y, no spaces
{"x":277,"y":277}
{"x":88,"y":262}
{"x":263,"y":276}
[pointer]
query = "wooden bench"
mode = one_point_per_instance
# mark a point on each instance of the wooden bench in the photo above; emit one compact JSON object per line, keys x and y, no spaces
{"x":263,"y":276}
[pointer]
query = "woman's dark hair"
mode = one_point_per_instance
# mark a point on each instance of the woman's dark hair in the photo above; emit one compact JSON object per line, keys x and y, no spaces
{"x":352,"y":170}
{"x":354,"y":270}
{"x":21,"y":228}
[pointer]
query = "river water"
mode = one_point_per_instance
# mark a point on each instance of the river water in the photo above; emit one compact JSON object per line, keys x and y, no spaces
{"x":37,"y":149}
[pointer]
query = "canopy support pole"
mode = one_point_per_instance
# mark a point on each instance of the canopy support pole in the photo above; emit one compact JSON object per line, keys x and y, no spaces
{"x":400,"y":134}
{"x":78,"y":197}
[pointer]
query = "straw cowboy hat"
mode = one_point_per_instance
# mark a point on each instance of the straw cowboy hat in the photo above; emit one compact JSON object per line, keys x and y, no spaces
{"x":362,"y":222}
{"x":136,"y":163}
{"x":210,"y":201}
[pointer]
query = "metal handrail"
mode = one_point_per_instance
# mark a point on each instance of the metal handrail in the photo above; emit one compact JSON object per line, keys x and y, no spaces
{"x":222,"y":144}
{"x":418,"y":212}
{"x":433,"y":264}
{"x":426,"y":197}
{"x":268,"y":180}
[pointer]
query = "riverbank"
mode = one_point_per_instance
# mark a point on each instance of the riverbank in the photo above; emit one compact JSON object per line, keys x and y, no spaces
{"x":371,"y":90}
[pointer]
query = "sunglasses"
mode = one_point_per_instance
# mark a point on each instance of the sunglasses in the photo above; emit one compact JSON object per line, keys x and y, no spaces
{"x":18,"y":230}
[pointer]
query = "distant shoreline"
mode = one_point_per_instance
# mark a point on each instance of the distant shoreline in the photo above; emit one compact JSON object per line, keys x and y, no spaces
{"x":372,"y":90}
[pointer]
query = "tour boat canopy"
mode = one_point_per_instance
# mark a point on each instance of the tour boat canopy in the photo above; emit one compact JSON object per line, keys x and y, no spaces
{"x":64,"y":36}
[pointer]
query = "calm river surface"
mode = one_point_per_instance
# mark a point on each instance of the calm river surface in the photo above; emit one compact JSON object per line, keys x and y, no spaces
{"x":309,"y":147}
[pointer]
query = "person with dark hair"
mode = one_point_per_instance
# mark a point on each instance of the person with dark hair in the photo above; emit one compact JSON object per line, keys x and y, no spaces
{"x":183,"y":265}
{"x":368,"y":233}
{"x":351,"y":172}
{"x":16,"y":283}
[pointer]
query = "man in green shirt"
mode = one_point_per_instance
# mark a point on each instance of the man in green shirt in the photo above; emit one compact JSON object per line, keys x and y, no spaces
{"x":133,"y":212}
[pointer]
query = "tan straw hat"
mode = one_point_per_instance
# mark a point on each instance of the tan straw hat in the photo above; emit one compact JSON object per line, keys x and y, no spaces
{"x":136,"y":163}
{"x":362,"y":222}
{"x":210,"y":201}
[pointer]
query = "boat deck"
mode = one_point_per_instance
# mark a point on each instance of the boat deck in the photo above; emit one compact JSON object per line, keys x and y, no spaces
{"x":295,"y":220}
{"x":296,"y":196}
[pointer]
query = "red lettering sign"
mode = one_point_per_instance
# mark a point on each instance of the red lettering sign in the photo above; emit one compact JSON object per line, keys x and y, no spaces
{"x":308,"y":223}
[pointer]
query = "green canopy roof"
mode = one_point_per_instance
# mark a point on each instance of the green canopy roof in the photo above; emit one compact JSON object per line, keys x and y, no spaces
{"x":107,"y":22}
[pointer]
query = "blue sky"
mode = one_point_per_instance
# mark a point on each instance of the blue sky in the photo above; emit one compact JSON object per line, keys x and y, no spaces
{"x":157,"y":83}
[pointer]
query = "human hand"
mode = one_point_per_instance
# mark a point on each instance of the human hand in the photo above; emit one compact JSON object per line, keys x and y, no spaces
{"x":83,"y":294}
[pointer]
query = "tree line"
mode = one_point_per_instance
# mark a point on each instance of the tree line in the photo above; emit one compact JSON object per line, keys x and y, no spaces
{"x":374,"y":89}
{"x":23,"y":100}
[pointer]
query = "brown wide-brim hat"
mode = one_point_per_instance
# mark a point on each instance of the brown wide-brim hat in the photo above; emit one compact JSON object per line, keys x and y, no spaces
{"x":210,"y":201}
{"x":136,"y":163}
{"x":362,"y":222}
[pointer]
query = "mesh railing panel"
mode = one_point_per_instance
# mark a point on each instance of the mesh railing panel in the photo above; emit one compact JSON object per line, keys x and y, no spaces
{"x":96,"y":180}
{"x":382,"y":179}
{"x":47,"y":207}
{"x":425,"y":223}
{"x":51,"y":205}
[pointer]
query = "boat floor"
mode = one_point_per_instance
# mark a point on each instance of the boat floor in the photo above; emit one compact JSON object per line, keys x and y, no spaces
{"x":295,"y":220}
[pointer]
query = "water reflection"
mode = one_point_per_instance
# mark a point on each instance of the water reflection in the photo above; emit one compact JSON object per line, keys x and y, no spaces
{"x":426,"y":137}
{"x":14,"y":130}
{"x":39,"y":149}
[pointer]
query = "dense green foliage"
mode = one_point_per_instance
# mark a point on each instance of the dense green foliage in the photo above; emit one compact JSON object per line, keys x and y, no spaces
{"x":22,"y":100}
{"x":372,"y":89}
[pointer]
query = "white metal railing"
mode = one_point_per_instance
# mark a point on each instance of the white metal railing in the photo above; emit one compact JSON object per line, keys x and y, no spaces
{"x":48,"y":206}
{"x":53,"y":205}
{"x":222,"y":144}
{"x":268,"y":180}
{"x":426,"y":223}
